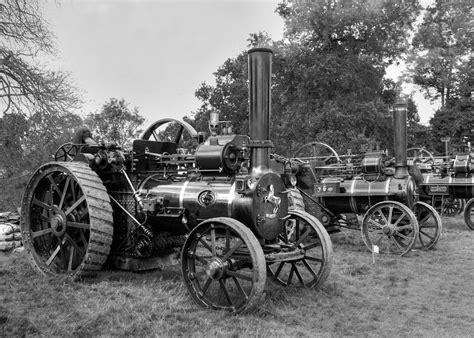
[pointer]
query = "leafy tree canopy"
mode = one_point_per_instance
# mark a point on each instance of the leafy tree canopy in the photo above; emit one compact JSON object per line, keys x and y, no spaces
{"x":442,"y":50}
{"x":115,"y":123}
{"x":328,"y":75}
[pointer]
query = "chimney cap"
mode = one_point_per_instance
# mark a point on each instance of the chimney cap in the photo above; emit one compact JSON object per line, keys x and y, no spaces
{"x":400,"y":104}
{"x":260,"y":49}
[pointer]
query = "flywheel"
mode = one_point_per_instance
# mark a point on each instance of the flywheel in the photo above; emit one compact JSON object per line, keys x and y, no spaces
{"x":66,"y":220}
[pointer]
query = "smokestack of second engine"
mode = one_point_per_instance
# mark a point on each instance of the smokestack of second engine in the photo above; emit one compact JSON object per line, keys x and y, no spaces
{"x":400,"y":141}
{"x":260,"y":72}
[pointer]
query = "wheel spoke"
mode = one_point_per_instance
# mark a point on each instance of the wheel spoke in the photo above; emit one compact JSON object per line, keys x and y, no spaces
{"x":427,"y":226}
{"x":75,"y":205}
{"x":213,"y":242}
{"x":382,"y":235}
{"x":239,"y":275}
{"x":231,"y":251}
{"x":83,"y":239}
{"x":155,"y":135}
{"x":239,"y":286}
{"x":404,"y":227}
{"x":376,"y":224}
{"x":63,"y":196}
{"x":278,"y":271}
{"x":85,"y":226}
{"x":204,"y":243}
{"x":202,"y":259}
{"x":312,"y":246}
{"x":390,"y":214}
{"x":402,"y":216}
{"x":382,"y":216}
{"x":71,"y":255}
{"x":290,"y":276}
{"x":298,"y":275}
{"x":402,"y":236}
{"x":53,"y":255}
{"x":41,"y":232}
{"x":74,"y":244}
{"x":206,"y":286}
{"x":314,"y":259}
{"x":427,"y":235}
{"x":54,"y":185}
{"x":224,"y":290}
{"x":309,"y":268}
{"x":399,"y":244}
{"x":41,"y":204}
{"x":302,"y":237}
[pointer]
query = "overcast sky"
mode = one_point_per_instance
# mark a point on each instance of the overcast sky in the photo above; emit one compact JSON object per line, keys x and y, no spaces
{"x":155,"y":54}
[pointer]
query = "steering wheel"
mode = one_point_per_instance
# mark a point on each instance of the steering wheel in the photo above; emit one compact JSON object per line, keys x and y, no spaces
{"x":318,"y":150}
{"x":172,"y":130}
{"x":66,"y":152}
{"x":420,"y":155}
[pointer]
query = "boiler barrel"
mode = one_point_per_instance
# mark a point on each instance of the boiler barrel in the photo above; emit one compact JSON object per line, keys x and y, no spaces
{"x":459,"y":187}
{"x":262,"y":209}
{"x":357,"y":196}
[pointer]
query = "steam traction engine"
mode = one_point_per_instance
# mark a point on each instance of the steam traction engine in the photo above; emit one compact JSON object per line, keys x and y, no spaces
{"x":221,"y":204}
{"x":337,"y":188}
{"x":448,"y":185}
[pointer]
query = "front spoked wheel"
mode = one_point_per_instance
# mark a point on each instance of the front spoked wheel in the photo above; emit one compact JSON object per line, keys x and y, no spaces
{"x":430,"y":224}
{"x":391,"y":227}
{"x":469,"y":214}
{"x":303,"y":254}
{"x":223,"y":265}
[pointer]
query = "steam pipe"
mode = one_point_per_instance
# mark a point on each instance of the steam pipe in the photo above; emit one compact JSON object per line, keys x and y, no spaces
{"x":400,"y":141}
{"x":260,"y":71}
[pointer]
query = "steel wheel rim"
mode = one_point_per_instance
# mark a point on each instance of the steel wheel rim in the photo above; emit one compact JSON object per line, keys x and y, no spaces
{"x":59,"y":222}
{"x":429,"y":223}
{"x":469,"y":214}
{"x":223,"y":266}
{"x":303,"y":232}
{"x":453,"y":207}
{"x":391,"y":226}
{"x":66,"y":220}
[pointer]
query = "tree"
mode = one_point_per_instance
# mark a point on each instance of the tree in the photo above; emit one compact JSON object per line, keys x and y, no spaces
{"x":26,"y":86}
{"x":442,"y":48}
{"x":35,"y":103}
{"x":25,"y":144}
{"x":116,"y":123}
{"x":328,"y":74}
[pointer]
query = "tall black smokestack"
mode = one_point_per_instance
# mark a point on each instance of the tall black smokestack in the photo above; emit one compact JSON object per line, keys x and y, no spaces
{"x":260,"y":72}
{"x":400,"y":141}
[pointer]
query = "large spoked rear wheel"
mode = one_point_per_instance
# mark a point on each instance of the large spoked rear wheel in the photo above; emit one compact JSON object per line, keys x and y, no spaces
{"x":391,"y":227}
{"x":223,"y":265}
{"x":429,"y":223}
{"x":303,"y":253}
{"x":469,"y":214}
{"x":66,"y":220}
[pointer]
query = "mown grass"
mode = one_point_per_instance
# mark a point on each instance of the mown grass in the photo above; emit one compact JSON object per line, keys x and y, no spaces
{"x":427,"y":293}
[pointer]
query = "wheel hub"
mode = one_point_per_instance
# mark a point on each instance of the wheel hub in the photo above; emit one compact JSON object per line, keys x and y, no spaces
{"x":387,"y":230}
{"x":215,"y":268}
{"x":58,"y":222}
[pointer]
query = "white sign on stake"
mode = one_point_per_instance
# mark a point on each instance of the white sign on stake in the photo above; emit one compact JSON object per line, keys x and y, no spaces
{"x":375,"y":249}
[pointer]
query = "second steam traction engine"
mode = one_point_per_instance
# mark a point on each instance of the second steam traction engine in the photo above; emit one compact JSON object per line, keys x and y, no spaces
{"x":336,"y":188}
{"x":217,"y":203}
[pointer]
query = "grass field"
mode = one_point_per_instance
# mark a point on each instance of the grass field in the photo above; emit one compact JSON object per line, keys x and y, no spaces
{"x":426,"y":293}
